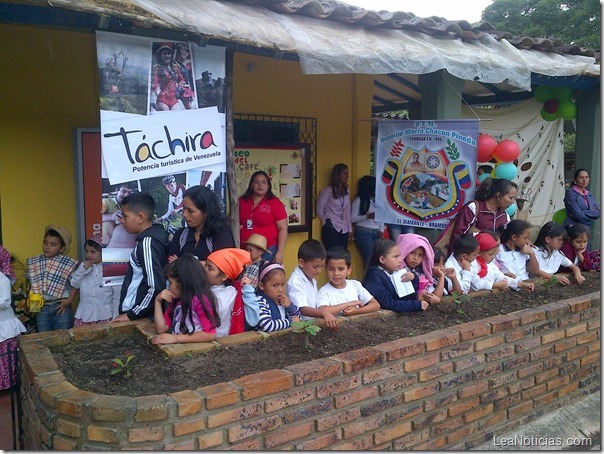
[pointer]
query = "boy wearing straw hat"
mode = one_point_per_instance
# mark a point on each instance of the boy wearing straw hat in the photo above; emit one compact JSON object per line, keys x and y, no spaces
{"x":256,"y":246}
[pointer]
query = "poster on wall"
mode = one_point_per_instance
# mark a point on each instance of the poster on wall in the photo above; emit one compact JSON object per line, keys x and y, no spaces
{"x":162,"y":131}
{"x":289,"y":171}
{"x":425,"y":170}
{"x":167,"y":191}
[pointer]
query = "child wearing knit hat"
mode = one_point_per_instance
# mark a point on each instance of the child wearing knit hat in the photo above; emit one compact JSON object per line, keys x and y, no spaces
{"x":224,"y":268}
{"x":486,"y":273}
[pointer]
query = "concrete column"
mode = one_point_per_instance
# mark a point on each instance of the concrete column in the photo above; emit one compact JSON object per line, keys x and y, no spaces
{"x":441,"y":96}
{"x":587,"y":154}
{"x":441,"y":100}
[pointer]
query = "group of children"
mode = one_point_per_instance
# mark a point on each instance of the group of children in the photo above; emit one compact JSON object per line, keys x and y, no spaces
{"x":235,"y":290}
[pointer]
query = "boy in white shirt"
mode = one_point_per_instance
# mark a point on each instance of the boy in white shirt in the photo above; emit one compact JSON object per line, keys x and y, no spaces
{"x":465,"y":251}
{"x":302,"y":284}
{"x":340,"y":295}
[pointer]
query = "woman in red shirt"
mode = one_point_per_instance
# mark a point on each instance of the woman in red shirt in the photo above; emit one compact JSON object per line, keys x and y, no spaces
{"x":263,"y":213}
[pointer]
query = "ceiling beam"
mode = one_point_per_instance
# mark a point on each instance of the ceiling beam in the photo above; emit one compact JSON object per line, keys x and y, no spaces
{"x":401,"y":80}
{"x":391,"y":90}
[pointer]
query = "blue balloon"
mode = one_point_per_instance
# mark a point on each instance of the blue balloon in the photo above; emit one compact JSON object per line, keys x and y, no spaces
{"x":483,"y":177}
{"x":511,"y":210}
{"x":506,"y":170}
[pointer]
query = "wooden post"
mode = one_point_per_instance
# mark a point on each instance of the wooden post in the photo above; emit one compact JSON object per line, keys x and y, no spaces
{"x":233,"y":212}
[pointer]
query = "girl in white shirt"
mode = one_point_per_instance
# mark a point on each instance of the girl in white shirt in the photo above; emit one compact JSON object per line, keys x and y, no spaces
{"x":487,"y":275}
{"x":516,"y":257}
{"x":547,"y":250}
{"x":96,"y":304}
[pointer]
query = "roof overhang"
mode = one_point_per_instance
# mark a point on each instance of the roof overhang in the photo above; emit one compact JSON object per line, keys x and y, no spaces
{"x":494,"y":70}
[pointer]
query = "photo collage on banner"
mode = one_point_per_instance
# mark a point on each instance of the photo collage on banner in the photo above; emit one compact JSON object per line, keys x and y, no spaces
{"x":162,"y":131}
{"x":425,"y":171}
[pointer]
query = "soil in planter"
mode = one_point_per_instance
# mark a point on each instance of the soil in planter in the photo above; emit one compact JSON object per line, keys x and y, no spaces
{"x":88,"y":365}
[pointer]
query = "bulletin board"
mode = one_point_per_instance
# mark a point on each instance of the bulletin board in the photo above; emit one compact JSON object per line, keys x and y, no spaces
{"x":289,"y":169}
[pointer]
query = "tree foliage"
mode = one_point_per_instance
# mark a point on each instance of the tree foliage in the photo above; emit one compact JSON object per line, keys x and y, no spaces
{"x":572,"y":21}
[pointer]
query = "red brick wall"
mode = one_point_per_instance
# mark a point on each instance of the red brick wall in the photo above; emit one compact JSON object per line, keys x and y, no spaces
{"x":450,"y":389}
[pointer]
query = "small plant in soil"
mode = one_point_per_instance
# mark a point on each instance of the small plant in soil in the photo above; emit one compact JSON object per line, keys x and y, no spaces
{"x":123,"y":366}
{"x":547,"y":284}
{"x":308,"y":327}
{"x":458,"y":298}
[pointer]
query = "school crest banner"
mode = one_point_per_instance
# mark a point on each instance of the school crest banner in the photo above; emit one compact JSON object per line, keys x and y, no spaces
{"x":425,"y":171}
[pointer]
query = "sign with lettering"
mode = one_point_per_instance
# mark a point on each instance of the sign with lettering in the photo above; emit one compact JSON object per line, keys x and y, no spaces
{"x":425,"y":171}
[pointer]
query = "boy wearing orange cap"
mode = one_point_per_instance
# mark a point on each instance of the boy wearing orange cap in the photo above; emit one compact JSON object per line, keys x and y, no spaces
{"x":224,"y":268}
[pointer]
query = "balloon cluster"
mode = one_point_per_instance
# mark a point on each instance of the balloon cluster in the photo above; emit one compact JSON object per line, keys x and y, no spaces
{"x":557,"y":102}
{"x":504,"y":152}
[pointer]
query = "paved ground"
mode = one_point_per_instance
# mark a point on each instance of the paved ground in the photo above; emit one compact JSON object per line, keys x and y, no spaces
{"x":575,"y":426}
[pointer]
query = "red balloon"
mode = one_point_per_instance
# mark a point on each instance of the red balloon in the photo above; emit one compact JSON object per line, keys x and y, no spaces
{"x":486,"y":147}
{"x":507,"y":151}
{"x":550,"y":106}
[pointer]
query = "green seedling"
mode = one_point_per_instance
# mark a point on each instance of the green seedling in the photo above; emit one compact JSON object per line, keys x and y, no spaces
{"x":308,"y":327}
{"x":122,"y":366}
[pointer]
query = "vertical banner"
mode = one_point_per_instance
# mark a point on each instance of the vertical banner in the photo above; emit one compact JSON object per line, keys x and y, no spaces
{"x":162,"y":131}
{"x":425,"y":171}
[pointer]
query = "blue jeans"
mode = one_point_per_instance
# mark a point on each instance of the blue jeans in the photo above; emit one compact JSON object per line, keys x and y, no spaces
{"x":270,"y":256}
{"x":48,"y":319}
{"x":394,"y":230}
{"x":364,"y":239}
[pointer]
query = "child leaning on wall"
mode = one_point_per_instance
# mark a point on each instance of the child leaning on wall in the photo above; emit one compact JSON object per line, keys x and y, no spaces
{"x":145,"y":275}
{"x":224,"y":269}
{"x":191,"y":314}
{"x":49,"y":274}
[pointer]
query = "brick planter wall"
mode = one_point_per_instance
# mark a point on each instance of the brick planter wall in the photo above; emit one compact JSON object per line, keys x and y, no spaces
{"x":450,"y":389}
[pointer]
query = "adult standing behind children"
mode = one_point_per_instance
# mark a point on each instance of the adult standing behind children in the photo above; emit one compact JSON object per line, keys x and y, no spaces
{"x":488,"y":210}
{"x":206,"y":230}
{"x":49,"y":275}
{"x":334,"y":210}
{"x":366,"y":228}
{"x":145,"y":275}
{"x":260,"y":211}
{"x":581,"y":206}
